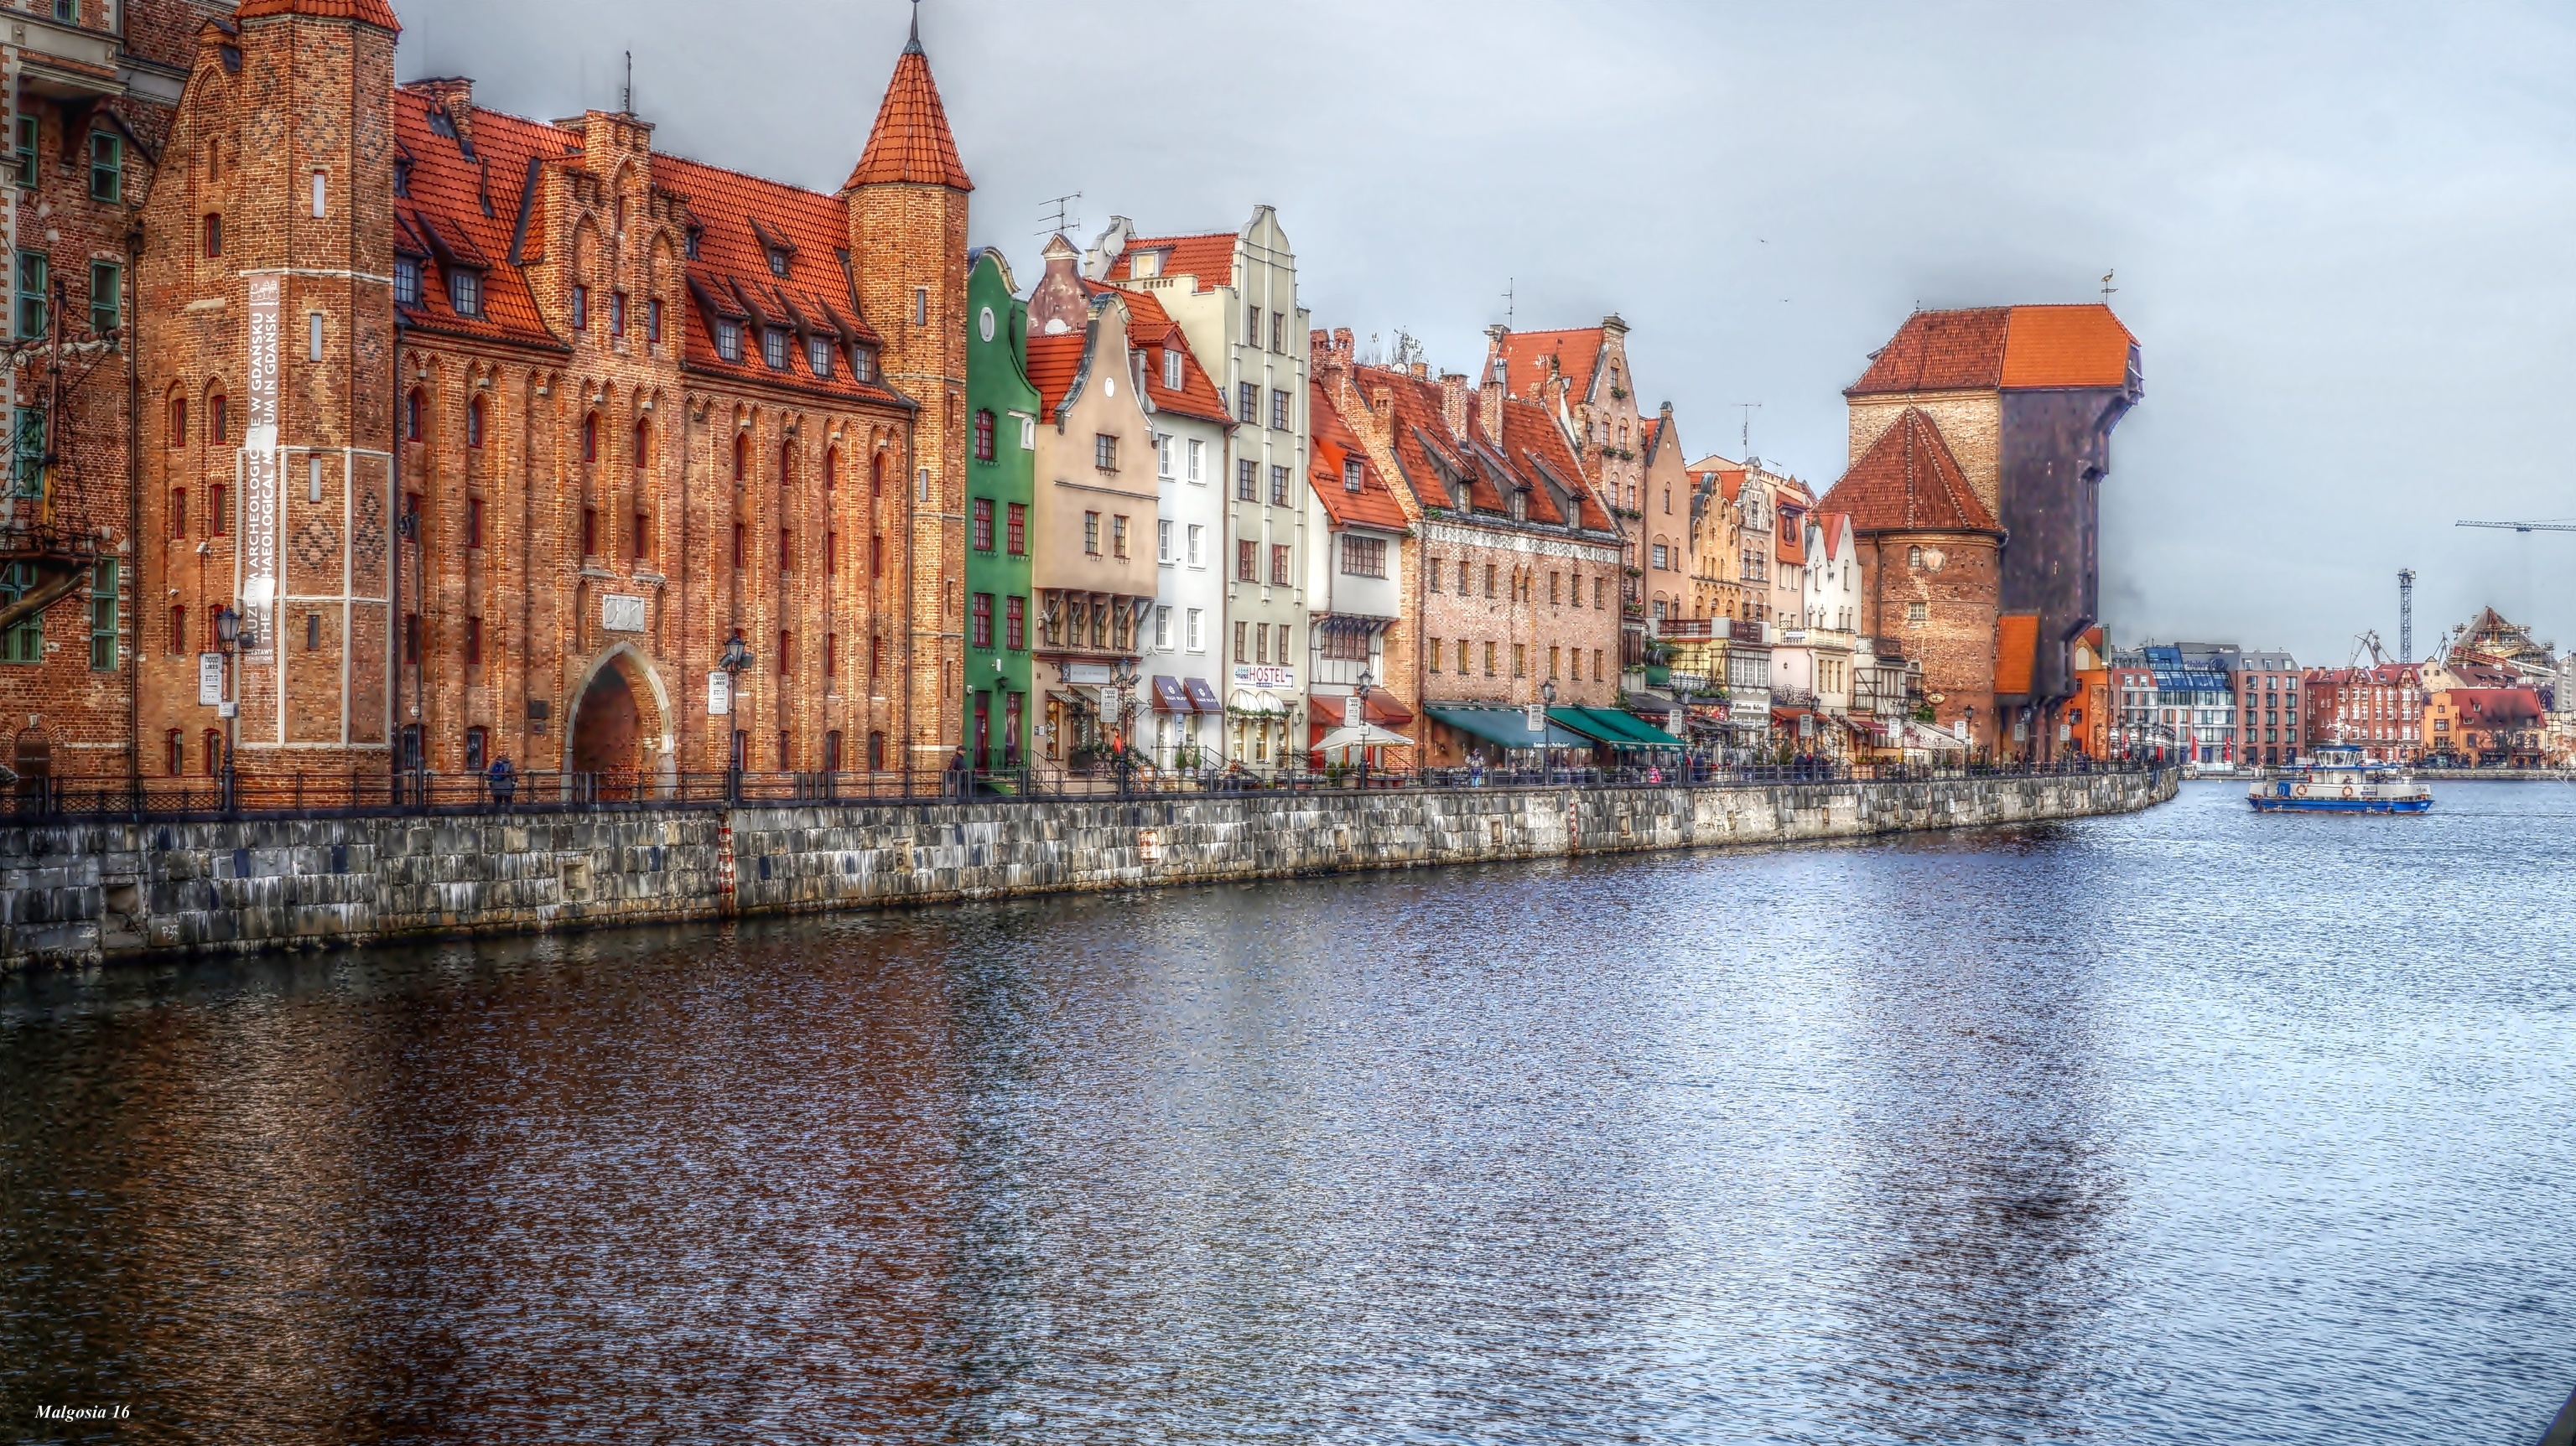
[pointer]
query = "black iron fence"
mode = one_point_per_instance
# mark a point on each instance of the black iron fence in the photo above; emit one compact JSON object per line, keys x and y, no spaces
{"x":314,"y":795}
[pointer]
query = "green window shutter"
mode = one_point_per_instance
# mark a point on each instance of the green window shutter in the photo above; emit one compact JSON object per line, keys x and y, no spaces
{"x":23,"y":642}
{"x":106,"y":167}
{"x":102,"y":618}
{"x":34,"y":281}
{"x":106,"y":297}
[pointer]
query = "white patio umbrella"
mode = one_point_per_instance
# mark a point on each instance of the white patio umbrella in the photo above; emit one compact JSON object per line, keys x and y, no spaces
{"x":1361,"y":735}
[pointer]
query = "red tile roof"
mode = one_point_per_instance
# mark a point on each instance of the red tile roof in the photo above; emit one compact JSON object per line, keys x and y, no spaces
{"x":1526,"y":353}
{"x":444,"y":218}
{"x":910,"y":143}
{"x":1151,"y":329}
{"x":1375,"y":504}
{"x":1908,"y":482}
{"x":2016,"y":652}
{"x":2010,"y":347}
{"x":369,"y":12}
{"x":1208,"y":257}
{"x":2494,"y":706}
{"x":1053,"y":361}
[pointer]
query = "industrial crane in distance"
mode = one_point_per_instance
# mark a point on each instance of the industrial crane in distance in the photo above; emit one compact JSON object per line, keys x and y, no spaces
{"x":2523,"y":526}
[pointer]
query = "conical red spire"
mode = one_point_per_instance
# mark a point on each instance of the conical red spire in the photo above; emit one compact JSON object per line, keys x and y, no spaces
{"x":370,"y":12}
{"x":911,"y":143}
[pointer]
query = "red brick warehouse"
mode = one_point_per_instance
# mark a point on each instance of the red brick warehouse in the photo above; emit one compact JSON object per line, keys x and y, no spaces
{"x":501,"y":430}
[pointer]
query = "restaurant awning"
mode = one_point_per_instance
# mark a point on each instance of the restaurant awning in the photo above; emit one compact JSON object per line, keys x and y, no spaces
{"x":1508,"y":727}
{"x":1170,"y":696}
{"x":1202,"y":695}
{"x":1619,"y":730}
{"x":1324,"y":710}
{"x":1259,"y":702}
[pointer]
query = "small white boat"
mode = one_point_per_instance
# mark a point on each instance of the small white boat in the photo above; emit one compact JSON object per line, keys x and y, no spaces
{"x":2337,"y":779}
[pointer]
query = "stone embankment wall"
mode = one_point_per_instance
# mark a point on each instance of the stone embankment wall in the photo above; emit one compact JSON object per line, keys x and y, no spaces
{"x":80,"y":893}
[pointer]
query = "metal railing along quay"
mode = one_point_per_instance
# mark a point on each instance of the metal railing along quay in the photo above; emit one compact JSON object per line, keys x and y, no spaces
{"x":307,"y":795}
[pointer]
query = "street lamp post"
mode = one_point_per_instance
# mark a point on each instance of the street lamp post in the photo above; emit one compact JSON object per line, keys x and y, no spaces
{"x":1123,"y":677}
{"x":235,"y":633}
{"x":1547,"y":699}
{"x":1367,"y":681}
{"x":1972,"y":735}
{"x":735,"y":658}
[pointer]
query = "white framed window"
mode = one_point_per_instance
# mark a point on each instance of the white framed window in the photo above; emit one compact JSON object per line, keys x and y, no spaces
{"x":320,"y":194}
{"x":1163,"y":455}
{"x":1171,"y":369}
{"x":313,"y":337}
{"x":1163,"y":541}
{"x":921,"y":485}
{"x":1028,"y":434}
{"x":1162,"y":629}
{"x":1197,"y":635}
{"x":1197,"y":554}
{"x":1198,"y":462}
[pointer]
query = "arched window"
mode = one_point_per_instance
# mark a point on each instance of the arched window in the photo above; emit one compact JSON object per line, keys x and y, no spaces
{"x":590,"y":437}
{"x":876,"y":475}
{"x":178,"y":421}
{"x":413,"y":408}
{"x":214,"y":751}
{"x":876,"y":752}
{"x":178,"y":751}
{"x":474,"y":423}
{"x":1914,"y":557}
{"x":741,"y":455}
{"x":218,"y":418}
{"x":831,"y":468}
{"x":643,"y":444}
{"x":786,"y":463}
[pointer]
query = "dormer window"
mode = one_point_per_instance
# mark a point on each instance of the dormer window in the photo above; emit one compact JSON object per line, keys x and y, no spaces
{"x":406,"y":281}
{"x":1171,"y":369}
{"x":689,"y":241}
{"x":773,"y":346}
{"x":402,"y":178}
{"x":1520,"y":505}
{"x":465,"y":291}
{"x":729,"y":339}
{"x":1350,"y":474}
{"x":777,"y":262}
{"x":818,"y":355}
{"x":862,"y":364}
{"x":1147,"y":264}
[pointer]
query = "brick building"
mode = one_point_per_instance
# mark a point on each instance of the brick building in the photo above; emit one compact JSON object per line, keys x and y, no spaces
{"x":2383,"y":710}
{"x":1580,"y":378}
{"x":90,"y":90}
{"x":2267,"y":708}
{"x":1517,"y":583}
{"x":500,"y":431}
{"x":2024,"y":400}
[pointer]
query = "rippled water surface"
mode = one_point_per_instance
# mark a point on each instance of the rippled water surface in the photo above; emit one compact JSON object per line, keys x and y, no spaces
{"x":2191,"y":1126}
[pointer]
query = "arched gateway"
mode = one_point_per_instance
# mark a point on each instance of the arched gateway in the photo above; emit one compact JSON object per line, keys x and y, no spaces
{"x":620,"y":730}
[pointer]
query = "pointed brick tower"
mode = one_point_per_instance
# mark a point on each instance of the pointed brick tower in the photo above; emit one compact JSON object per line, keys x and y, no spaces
{"x":907,"y":204}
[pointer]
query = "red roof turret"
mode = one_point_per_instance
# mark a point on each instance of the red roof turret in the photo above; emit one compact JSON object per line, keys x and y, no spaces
{"x":911,"y":143}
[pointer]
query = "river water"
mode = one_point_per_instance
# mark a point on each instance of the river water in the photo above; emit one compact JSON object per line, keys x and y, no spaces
{"x":2190,"y":1126}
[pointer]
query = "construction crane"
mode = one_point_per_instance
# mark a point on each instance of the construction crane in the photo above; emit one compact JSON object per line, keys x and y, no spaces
{"x":2523,"y":526}
{"x":2406,"y":615}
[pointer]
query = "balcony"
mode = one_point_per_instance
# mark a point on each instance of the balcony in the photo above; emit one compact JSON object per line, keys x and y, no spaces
{"x":1691,"y":629}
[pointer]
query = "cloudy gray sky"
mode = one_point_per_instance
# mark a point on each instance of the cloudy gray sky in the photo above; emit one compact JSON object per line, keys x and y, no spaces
{"x":2340,"y":232}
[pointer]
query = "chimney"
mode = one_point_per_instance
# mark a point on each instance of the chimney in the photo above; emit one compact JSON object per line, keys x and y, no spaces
{"x":1453,"y":402}
{"x":1491,"y":393}
{"x":1332,"y":355}
{"x":455,"y":93}
{"x":1057,"y":304}
{"x":1421,"y":371}
{"x":1381,"y":413}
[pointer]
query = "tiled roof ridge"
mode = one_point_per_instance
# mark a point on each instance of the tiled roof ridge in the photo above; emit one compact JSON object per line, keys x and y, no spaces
{"x":367,"y":12}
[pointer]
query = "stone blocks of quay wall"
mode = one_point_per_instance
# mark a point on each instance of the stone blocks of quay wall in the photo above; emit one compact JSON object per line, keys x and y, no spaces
{"x":76,"y":894}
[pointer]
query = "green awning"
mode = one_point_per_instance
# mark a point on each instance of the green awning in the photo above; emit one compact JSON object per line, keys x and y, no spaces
{"x":1619,"y":730}
{"x":1508,"y":727}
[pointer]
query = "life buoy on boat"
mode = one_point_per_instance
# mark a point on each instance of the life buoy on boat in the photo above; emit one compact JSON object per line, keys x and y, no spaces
{"x":2347,"y":790}
{"x":2303,"y":790}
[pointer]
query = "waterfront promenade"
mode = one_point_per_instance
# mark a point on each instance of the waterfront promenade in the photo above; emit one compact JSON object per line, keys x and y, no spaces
{"x":79,"y":892}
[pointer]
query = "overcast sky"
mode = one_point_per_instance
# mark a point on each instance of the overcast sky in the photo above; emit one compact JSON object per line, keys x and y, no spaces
{"x":2340,"y":233}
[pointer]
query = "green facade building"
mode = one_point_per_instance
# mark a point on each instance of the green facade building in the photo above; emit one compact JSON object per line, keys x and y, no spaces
{"x":1001,"y":483}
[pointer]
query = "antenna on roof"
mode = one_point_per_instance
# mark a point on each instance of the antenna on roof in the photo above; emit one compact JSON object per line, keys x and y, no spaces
{"x":1749,"y":409}
{"x":1511,"y":301}
{"x":1066,"y":219}
{"x":626,"y":103}
{"x":2107,"y":287}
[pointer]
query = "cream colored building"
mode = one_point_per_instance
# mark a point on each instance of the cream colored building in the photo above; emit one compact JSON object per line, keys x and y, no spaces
{"x":1235,"y":297}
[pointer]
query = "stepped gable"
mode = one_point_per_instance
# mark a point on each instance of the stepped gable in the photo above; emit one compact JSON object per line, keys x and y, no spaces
{"x":366,"y":12}
{"x":2011,"y":348}
{"x":1208,"y":258}
{"x":1375,"y":504}
{"x":1908,"y":482}
{"x":474,"y":207}
{"x":1151,"y":329}
{"x":1526,"y":353}
{"x":911,"y":143}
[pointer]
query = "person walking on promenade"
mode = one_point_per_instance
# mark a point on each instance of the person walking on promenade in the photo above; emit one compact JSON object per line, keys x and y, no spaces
{"x":504,"y":780}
